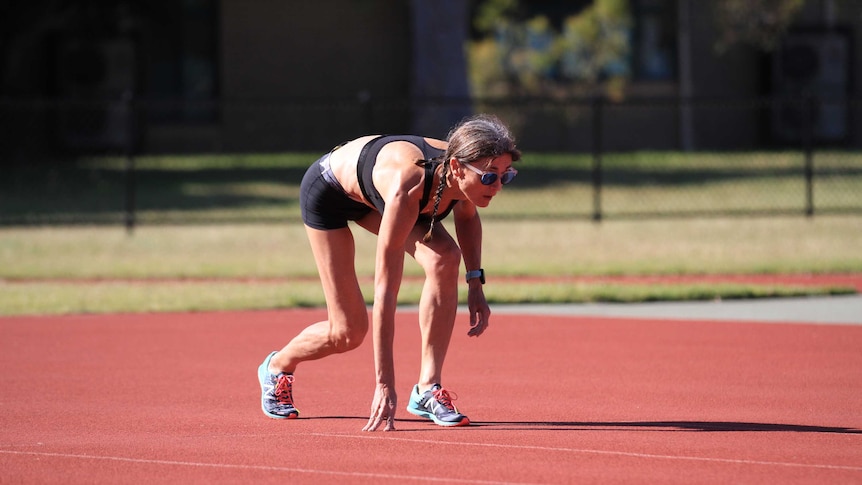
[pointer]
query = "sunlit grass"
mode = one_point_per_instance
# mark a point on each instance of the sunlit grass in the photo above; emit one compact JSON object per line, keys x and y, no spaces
{"x":544,"y":247}
{"x":236,"y":217}
{"x":47,"y":298}
{"x":95,"y":269}
{"x":265,"y":187}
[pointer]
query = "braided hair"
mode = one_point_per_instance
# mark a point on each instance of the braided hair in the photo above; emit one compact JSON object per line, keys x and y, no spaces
{"x":437,"y":196}
{"x":474,"y":138}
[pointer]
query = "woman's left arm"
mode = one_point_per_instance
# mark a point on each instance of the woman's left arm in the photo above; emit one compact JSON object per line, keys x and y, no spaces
{"x":468,"y":229}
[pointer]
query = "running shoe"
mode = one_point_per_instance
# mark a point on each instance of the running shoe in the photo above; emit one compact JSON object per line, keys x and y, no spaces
{"x":276,"y":397}
{"x":436,"y":405}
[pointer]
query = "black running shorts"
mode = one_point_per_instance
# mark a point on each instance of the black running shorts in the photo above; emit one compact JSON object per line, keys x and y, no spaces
{"x":324,"y":205}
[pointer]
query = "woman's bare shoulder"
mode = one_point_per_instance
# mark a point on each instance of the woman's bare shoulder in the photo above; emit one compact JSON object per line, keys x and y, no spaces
{"x":438,"y":144}
{"x":401,"y":151}
{"x":348,"y":151}
{"x":399,"y":146}
{"x":356,"y":144}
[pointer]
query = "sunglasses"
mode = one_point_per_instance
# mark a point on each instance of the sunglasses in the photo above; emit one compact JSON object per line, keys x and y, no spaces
{"x":489,"y":178}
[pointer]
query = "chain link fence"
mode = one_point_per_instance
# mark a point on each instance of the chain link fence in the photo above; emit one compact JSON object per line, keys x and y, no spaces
{"x":134,"y":162}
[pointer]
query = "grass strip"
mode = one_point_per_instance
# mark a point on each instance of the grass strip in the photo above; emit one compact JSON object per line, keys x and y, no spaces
{"x":53,"y":298}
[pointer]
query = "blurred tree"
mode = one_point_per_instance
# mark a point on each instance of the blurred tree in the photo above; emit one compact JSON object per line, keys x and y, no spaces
{"x":514,"y":55}
{"x":760,"y":23}
{"x":595,"y":46}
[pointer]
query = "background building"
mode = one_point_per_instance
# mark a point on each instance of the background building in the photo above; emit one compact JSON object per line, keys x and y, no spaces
{"x":265,"y":75}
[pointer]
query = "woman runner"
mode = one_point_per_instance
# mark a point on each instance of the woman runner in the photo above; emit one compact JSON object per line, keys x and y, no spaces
{"x":398,"y":187}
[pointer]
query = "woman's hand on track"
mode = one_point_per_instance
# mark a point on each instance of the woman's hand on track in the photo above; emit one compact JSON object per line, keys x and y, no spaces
{"x":382,"y":409}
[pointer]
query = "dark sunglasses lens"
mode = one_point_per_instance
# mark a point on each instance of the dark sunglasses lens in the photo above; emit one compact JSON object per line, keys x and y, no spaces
{"x":489,"y":178}
{"x":508,"y":177}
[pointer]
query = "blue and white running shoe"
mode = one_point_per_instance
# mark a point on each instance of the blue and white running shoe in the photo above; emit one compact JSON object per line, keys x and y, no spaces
{"x":276,"y":397}
{"x":436,"y":405}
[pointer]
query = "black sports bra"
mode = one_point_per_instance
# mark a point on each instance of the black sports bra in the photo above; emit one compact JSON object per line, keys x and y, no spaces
{"x":368,"y":158}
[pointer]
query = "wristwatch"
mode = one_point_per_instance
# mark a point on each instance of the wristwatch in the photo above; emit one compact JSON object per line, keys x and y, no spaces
{"x":476,"y":273}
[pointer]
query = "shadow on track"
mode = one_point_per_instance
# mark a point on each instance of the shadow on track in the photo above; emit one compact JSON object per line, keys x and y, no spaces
{"x":675,"y":426}
{"x":701,"y":426}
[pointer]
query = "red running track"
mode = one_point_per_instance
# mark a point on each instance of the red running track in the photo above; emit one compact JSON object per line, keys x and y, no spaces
{"x":170,"y":398}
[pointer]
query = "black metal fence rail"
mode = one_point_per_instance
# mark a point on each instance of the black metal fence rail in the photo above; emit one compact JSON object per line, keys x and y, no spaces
{"x":114,"y":162}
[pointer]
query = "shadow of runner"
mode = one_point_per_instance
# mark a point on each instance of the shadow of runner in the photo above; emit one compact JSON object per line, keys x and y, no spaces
{"x":700,"y":426}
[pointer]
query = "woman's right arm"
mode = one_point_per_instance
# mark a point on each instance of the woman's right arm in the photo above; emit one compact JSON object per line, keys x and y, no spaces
{"x":396,"y":224}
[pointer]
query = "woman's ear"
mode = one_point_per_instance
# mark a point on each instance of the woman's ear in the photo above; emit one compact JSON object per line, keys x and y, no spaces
{"x":455,"y":167}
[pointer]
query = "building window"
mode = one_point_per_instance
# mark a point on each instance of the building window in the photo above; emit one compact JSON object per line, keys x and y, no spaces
{"x":654,"y":40}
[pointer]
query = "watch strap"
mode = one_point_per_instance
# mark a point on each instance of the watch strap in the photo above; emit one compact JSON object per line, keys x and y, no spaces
{"x":476,"y":273}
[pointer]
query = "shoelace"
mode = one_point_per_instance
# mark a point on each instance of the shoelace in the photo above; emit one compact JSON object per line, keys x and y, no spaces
{"x":443,"y":397}
{"x":284,"y":389}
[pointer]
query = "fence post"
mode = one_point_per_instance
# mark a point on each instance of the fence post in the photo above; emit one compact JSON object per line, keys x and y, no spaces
{"x":597,"y":103}
{"x":131,"y":196}
{"x":810,"y":111}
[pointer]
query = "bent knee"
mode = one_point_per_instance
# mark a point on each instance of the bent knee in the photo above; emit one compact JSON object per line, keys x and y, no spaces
{"x":349,"y":337}
{"x":444,"y":263}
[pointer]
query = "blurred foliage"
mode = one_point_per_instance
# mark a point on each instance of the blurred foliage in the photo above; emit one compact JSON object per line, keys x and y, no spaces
{"x":759,"y":23}
{"x":590,"y":52}
{"x":520,"y":56}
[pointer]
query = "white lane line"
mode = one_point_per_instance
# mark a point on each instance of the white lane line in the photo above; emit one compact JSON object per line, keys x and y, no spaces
{"x":390,"y":438}
{"x":599,"y":452}
{"x":419,"y":478}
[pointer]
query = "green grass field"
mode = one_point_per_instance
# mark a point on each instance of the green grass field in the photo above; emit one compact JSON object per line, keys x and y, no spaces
{"x":265,"y":188}
{"x":191,"y":253}
{"x":160,"y":268}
